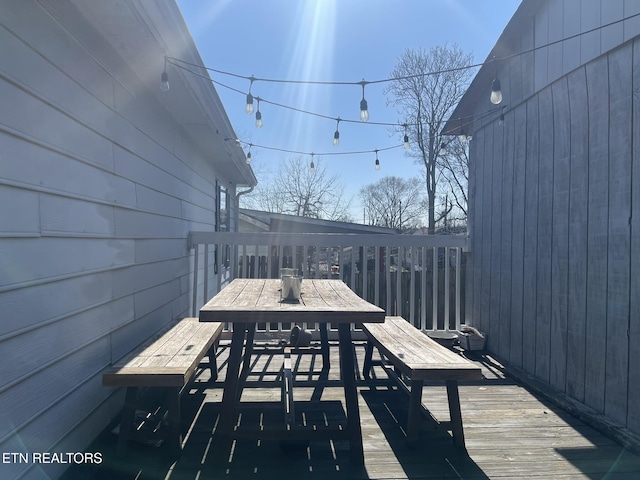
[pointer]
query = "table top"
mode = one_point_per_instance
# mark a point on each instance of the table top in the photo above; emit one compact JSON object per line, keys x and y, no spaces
{"x":258,"y":300}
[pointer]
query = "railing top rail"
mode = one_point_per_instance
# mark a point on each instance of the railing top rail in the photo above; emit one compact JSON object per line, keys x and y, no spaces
{"x":328,"y":239}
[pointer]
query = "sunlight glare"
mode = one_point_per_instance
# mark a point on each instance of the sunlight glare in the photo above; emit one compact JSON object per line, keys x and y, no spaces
{"x":310,"y":55}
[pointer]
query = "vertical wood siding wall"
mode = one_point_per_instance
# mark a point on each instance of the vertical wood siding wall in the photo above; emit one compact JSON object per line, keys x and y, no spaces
{"x":98,"y":192}
{"x":555,"y":262}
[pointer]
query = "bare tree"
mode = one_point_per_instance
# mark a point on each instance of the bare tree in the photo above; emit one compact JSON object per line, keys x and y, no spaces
{"x":297,"y":189}
{"x":394,"y":202}
{"x":426,"y":88}
{"x":454,"y":162}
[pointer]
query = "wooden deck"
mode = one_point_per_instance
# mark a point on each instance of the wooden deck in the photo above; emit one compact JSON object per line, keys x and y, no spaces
{"x":510,"y":434}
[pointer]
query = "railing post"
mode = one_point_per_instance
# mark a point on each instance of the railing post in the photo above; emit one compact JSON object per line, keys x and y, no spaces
{"x":435,"y":289}
{"x":399,"y":299}
{"x":458,"y":286}
{"x":446,"y":289}
{"x":195,"y":280}
{"x":423,"y":290}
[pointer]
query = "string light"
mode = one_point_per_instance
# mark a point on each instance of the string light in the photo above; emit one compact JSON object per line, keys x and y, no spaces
{"x":468,"y":119}
{"x":249,"y":106}
{"x":377,"y":161}
{"x":258,"y":114}
{"x":164,"y":78}
{"x":364,"y":109}
{"x":496,"y":92}
{"x":336,"y":135}
{"x":406,"y":138}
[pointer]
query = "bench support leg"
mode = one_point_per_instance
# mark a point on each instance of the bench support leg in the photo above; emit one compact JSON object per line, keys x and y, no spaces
{"x":453,"y":397}
{"x":175,"y":421}
{"x":213,"y":361}
{"x":414,"y":419}
{"x":368,"y":356}
{"x":127,"y":418}
{"x":287,"y":391}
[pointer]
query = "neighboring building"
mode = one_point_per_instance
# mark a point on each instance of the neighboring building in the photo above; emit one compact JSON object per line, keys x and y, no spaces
{"x":102,"y":177}
{"x":259,"y":221}
{"x":554,"y":268}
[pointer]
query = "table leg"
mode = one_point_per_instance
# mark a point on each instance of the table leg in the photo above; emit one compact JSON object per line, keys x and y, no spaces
{"x":248,"y":348}
{"x":347,"y":370}
{"x":324,"y":345}
{"x":126,"y":422}
{"x":226,"y":418}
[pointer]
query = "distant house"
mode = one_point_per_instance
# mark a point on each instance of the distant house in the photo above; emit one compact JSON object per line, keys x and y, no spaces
{"x":260,"y":221}
{"x":102,"y":177}
{"x":554,"y":267}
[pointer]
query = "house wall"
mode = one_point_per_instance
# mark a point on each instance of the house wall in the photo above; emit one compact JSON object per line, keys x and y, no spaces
{"x":589,"y":29}
{"x":99,"y":190}
{"x":555,"y":261}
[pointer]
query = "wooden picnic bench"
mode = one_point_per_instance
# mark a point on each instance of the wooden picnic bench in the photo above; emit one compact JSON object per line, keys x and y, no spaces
{"x":167,"y":361}
{"x":419,"y":358}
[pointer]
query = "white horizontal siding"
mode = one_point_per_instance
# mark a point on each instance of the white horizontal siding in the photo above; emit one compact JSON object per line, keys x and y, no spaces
{"x":45,"y":169}
{"x":60,"y":215}
{"x":39,"y":260}
{"x":23,"y":218}
{"x":102,"y":187}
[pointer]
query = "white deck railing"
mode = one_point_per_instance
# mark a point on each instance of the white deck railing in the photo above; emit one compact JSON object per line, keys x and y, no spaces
{"x":420,"y":277}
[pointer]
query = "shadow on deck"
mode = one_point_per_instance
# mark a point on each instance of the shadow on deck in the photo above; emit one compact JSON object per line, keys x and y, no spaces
{"x":510,"y":433}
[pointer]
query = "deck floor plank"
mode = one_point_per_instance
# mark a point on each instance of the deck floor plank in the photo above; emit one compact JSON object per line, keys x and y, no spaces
{"x":510,"y":433}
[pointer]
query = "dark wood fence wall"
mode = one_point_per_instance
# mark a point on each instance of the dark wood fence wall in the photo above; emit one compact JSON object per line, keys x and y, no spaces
{"x":554,"y":269}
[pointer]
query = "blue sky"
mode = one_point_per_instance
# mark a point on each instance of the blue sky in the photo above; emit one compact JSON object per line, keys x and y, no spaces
{"x":330,"y":40}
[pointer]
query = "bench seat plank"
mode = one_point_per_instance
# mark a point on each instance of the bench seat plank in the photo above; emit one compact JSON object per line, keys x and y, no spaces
{"x":416,"y":355}
{"x":169,"y":360}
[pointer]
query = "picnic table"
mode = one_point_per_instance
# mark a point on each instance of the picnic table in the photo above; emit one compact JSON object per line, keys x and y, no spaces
{"x":247,"y":302}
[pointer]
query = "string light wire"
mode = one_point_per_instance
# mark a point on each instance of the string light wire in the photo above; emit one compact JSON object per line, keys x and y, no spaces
{"x":179,"y":63}
{"x":406,"y":77}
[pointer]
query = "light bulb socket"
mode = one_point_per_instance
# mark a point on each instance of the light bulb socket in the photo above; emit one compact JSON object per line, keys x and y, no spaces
{"x":249,"y":107}
{"x":164,"y":81}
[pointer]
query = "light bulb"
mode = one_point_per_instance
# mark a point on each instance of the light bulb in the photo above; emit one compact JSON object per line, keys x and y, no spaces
{"x":248,"y":158}
{"x":312,"y":166}
{"x":249,"y":107}
{"x":336,"y":138}
{"x":406,"y":142}
{"x":496,"y":94}
{"x":501,"y":121}
{"x":364,"y":111}
{"x":258,"y":119}
{"x":164,"y":82}
{"x":377,"y":164}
